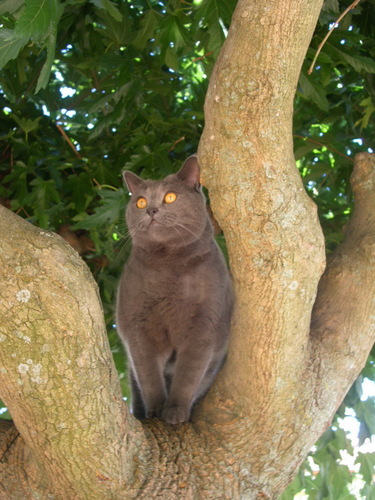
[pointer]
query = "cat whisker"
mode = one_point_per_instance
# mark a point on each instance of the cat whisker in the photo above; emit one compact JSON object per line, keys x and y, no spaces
{"x":127,"y":237}
{"x":125,"y":242}
{"x":173,"y":221}
{"x":188,"y":230}
{"x":180,"y":235}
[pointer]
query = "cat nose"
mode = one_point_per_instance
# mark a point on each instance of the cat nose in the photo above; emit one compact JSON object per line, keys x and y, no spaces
{"x":152,"y":211}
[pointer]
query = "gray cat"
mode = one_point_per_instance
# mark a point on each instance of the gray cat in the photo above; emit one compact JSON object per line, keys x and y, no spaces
{"x":175,"y":297}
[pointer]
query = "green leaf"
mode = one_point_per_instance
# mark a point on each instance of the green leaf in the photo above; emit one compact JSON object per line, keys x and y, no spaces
{"x":80,"y":189}
{"x":112,"y":205}
{"x":358,"y":63}
{"x":170,"y":59}
{"x":36,"y":17}
{"x":336,"y":480}
{"x":216,"y":10}
{"x":113,"y":96}
{"x":109,"y":7}
{"x":302,"y":151}
{"x":365,"y":411}
{"x":11,"y":45}
{"x":313,"y":92}
{"x":51,"y":46}
{"x":331,"y":6}
{"x":150,"y":22}
{"x":368,"y":491}
{"x":367,"y":465}
{"x":10,"y":6}
{"x":368,"y":111}
{"x":173,"y":32}
{"x":216,"y":13}
{"x":39,"y":21}
{"x":4,"y":413}
{"x":27,"y":125}
{"x":118,"y":32}
{"x":44,"y":198}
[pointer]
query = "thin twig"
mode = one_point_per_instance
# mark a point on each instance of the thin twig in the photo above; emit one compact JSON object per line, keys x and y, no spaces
{"x":203,"y":57}
{"x":322,"y":145}
{"x":101,"y":186}
{"x":22,"y":209}
{"x":351,"y":6}
{"x":63,"y":133}
{"x":96,"y":183}
{"x":175,"y":143}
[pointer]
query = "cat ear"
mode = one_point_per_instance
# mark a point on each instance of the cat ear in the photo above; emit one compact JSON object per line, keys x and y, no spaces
{"x":133,"y":182}
{"x":189,"y":172}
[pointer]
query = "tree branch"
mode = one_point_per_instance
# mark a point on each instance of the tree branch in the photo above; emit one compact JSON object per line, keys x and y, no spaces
{"x":343,"y":322}
{"x":57,"y":375}
{"x":274,"y":239}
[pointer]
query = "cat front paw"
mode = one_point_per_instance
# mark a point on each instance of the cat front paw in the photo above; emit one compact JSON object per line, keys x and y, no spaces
{"x":155,"y":411}
{"x":176,"y":414}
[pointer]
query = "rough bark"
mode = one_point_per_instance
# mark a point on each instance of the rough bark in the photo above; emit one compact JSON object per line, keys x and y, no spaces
{"x":57,"y":375}
{"x":283,"y":379}
{"x":343,"y":321}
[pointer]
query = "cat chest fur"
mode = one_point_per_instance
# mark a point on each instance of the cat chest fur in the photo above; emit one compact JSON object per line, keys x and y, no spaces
{"x":170,"y":297}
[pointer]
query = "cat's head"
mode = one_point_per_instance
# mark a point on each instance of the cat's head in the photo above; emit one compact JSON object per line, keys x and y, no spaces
{"x":170,"y":212}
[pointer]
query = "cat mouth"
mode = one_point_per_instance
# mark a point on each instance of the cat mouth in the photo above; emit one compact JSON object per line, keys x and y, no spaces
{"x":153,"y":222}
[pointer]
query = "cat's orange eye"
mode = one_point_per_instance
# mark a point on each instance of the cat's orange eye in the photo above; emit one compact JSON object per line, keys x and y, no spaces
{"x":141,"y":203}
{"x":170,"y":197}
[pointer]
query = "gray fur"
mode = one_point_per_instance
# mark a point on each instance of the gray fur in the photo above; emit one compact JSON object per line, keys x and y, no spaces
{"x":175,"y":298}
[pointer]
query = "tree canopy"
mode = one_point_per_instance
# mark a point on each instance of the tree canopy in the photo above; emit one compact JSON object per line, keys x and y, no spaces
{"x":88,"y":88}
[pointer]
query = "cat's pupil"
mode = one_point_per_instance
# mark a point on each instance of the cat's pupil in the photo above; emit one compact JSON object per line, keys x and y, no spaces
{"x":170,"y":197}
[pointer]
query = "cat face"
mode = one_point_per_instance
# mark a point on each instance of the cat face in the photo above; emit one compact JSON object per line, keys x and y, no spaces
{"x":170,"y":212}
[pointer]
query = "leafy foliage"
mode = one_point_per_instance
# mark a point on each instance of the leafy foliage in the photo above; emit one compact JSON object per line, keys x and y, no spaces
{"x":88,"y":88}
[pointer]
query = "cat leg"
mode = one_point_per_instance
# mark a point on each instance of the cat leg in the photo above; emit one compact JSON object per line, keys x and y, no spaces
{"x":210,"y":375}
{"x":137,"y":404}
{"x":191,"y":366}
{"x":149,"y":383}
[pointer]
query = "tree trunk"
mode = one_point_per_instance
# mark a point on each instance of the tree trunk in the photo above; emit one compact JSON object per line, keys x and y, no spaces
{"x":290,"y":362}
